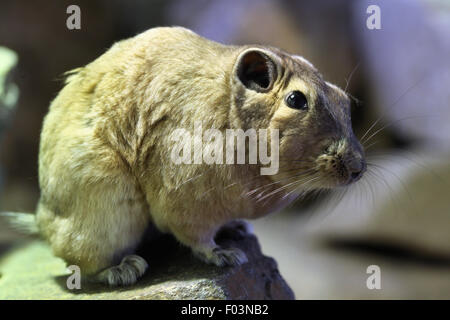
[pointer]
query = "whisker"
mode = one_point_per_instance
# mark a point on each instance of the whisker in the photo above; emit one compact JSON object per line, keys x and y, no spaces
{"x":193,"y":178}
{"x":292,"y":191}
{"x":350,"y":77}
{"x":389,"y":108}
{"x":366,"y":148}
{"x":383,"y":180}
{"x":391,"y":157}
{"x":284,"y":179}
{"x":266,"y":186}
{"x":372,"y":192}
{"x":250,"y":180}
{"x":363,"y":141}
{"x":284,"y":187}
{"x":398,"y":178}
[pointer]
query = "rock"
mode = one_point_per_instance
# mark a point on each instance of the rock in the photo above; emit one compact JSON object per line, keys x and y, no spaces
{"x":31,"y":272}
{"x":9,"y":92}
{"x":407,"y":64}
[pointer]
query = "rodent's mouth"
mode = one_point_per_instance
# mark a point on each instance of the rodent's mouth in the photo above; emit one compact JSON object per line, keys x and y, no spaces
{"x":325,"y":172}
{"x":340,"y":171}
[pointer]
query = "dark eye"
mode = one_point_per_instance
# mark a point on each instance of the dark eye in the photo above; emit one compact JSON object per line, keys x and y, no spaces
{"x":297,"y":100}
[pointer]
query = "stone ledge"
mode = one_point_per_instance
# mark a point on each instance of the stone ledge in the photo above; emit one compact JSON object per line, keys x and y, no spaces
{"x":31,"y":272}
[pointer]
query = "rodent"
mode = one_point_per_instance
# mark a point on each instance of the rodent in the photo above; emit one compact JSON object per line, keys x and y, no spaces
{"x":105,"y":172}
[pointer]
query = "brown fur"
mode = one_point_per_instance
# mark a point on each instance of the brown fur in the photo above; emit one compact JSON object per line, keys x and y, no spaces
{"x":105,"y":170}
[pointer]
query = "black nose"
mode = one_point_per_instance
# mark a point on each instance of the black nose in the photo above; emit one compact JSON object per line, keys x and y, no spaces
{"x":356,"y":168}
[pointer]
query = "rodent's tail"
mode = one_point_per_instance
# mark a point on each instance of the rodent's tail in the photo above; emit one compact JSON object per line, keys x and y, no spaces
{"x":24,"y":223}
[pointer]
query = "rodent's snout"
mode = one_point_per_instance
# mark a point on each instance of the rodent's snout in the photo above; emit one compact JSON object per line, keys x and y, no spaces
{"x":343,"y":162}
{"x":353,"y":160}
{"x":356,"y":166}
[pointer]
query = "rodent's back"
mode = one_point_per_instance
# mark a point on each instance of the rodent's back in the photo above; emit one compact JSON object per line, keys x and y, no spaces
{"x":158,"y":70}
{"x":106,"y":120}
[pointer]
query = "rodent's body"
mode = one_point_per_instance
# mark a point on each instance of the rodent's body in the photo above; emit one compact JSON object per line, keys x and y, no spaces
{"x":104,"y":167}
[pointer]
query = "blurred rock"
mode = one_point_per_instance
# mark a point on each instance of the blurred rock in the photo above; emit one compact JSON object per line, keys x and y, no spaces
{"x":299,"y":27}
{"x":31,"y":272}
{"x":407,"y":63}
{"x":9,"y":92}
{"x":46,"y":49}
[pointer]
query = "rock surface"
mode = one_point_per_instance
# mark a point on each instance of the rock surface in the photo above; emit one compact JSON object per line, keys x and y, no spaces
{"x":31,"y":272}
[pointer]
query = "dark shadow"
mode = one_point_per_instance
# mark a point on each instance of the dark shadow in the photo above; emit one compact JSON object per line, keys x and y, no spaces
{"x":7,"y":247}
{"x":390,"y":249}
{"x":168,"y":261}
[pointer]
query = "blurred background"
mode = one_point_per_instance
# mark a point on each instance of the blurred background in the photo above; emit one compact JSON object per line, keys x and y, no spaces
{"x":397,"y":217}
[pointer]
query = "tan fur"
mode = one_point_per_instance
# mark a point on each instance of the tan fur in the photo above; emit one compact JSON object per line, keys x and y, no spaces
{"x":105,"y":169}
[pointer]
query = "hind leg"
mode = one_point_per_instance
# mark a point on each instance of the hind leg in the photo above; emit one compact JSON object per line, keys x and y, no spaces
{"x":98,"y":237}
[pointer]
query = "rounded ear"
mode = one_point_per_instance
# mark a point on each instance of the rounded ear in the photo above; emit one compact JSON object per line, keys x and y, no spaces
{"x":256,"y":70}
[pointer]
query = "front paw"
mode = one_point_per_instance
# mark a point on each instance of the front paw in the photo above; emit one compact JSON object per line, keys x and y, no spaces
{"x":223,"y":257}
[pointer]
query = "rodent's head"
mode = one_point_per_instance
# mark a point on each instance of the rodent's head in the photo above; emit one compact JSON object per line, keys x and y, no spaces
{"x":317,"y":146}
